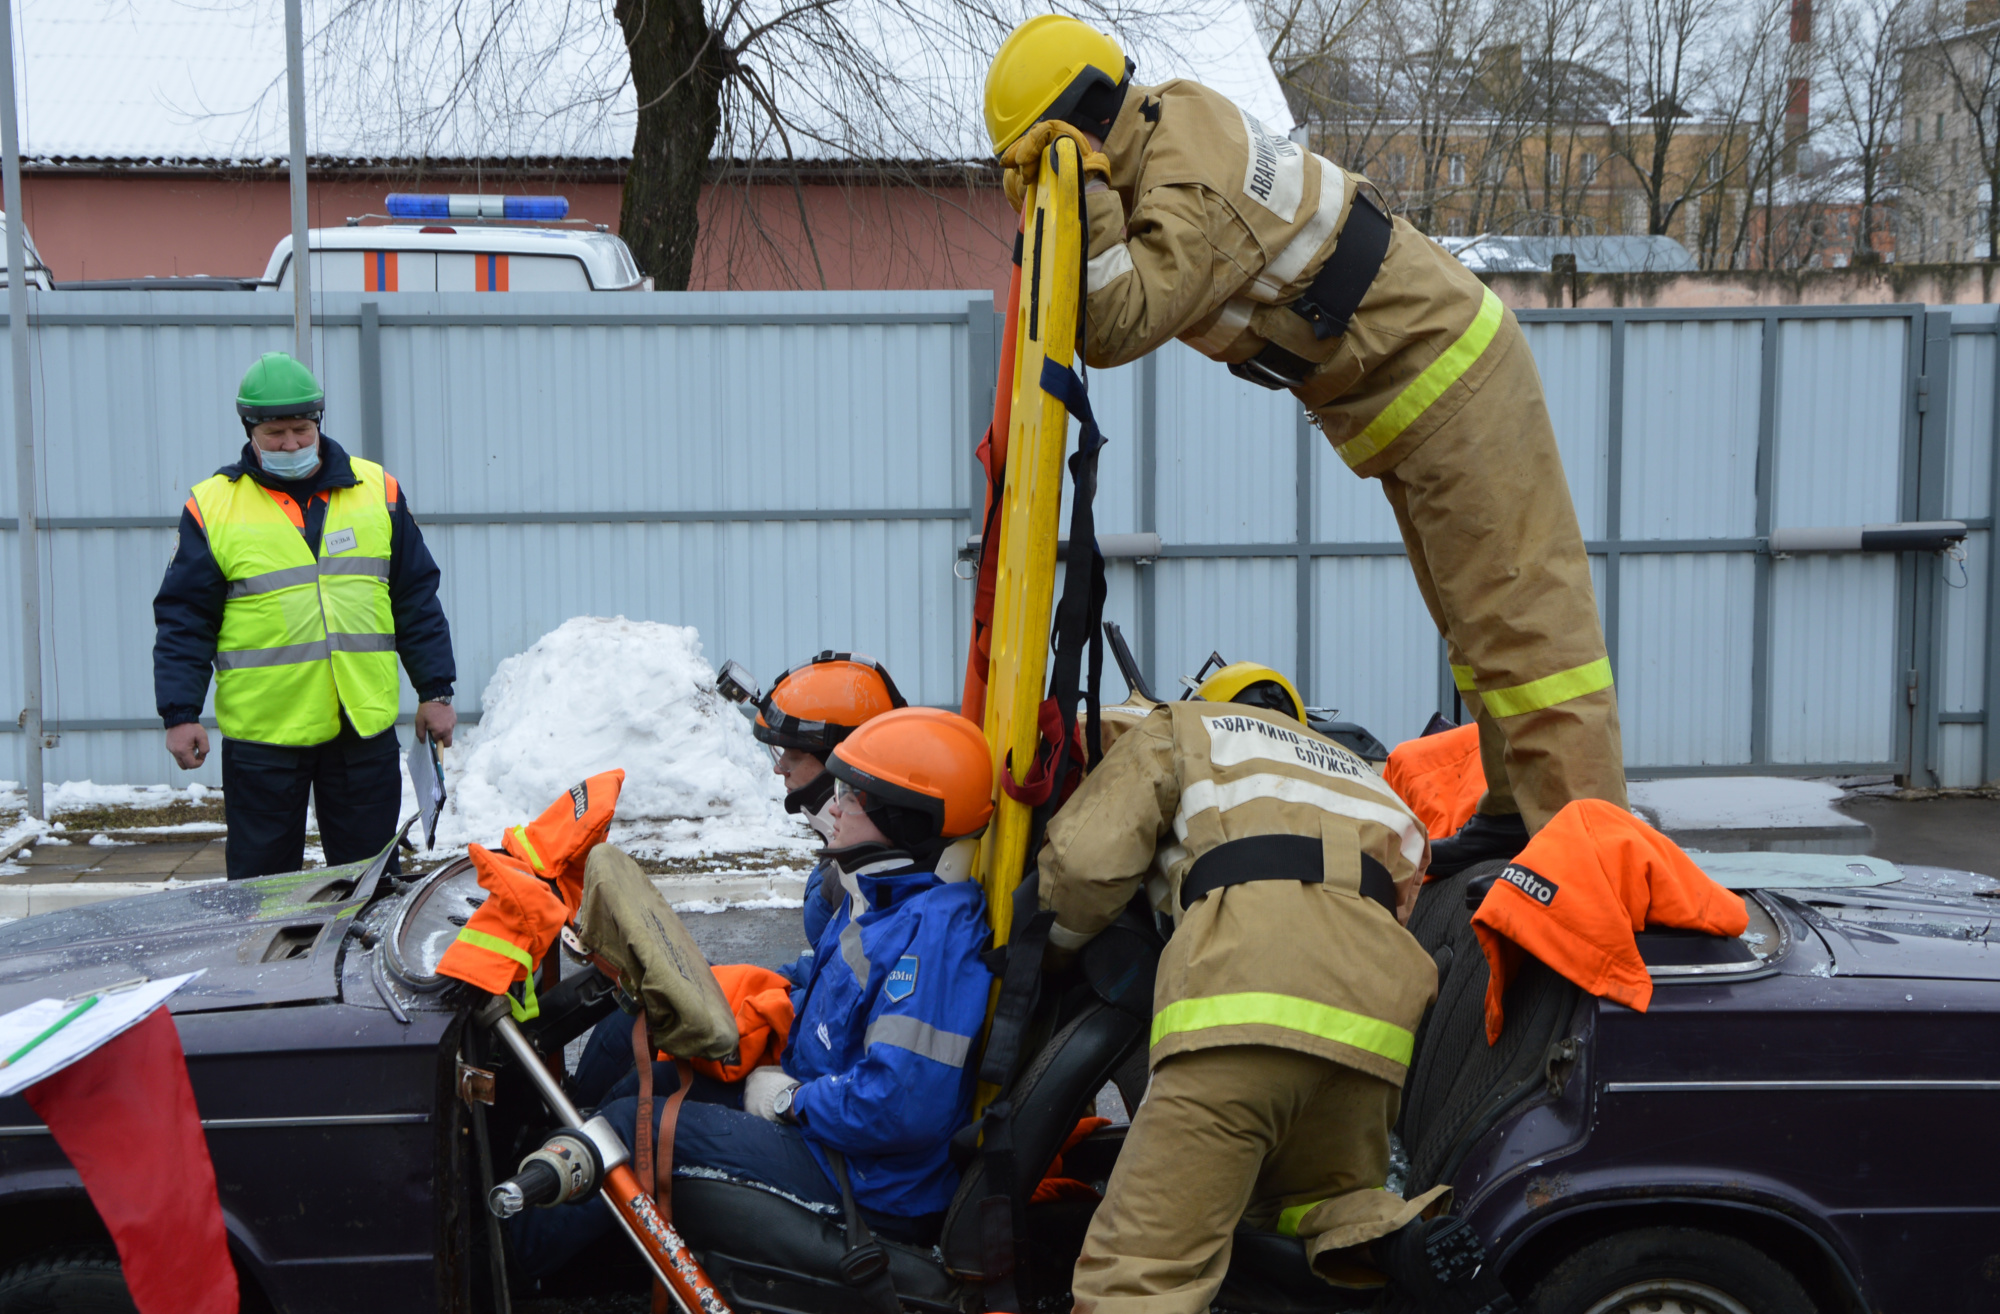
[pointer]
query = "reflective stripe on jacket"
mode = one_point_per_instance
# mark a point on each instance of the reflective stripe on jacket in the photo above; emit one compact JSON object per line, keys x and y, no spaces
{"x":1214,"y":224}
{"x":1315,"y":966}
{"x":886,"y":1032}
{"x":302,"y":638}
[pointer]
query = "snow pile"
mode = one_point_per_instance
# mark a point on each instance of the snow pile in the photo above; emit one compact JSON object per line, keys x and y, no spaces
{"x":596,"y":694}
{"x":70,"y":795}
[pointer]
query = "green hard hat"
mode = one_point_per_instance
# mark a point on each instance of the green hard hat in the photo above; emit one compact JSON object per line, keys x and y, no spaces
{"x":278,"y":387}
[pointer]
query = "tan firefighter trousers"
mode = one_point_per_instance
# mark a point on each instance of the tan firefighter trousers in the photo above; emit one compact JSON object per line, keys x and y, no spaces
{"x":1272,"y":1138}
{"x":1492,"y":535}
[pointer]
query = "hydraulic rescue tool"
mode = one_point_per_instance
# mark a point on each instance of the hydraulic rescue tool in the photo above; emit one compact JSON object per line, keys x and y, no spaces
{"x":586,"y":1156}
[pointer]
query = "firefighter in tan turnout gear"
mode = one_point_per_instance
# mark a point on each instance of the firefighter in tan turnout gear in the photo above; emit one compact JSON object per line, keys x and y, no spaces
{"x":1208,"y":227}
{"x":1284,"y":1011}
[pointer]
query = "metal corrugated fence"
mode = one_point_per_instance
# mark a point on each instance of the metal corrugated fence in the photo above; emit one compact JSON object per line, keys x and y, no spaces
{"x":790,"y":472}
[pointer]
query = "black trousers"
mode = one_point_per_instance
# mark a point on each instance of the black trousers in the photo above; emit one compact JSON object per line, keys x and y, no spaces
{"x":356,"y":786}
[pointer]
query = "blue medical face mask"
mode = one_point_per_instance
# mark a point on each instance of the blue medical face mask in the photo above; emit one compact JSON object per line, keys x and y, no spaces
{"x":290,"y":465}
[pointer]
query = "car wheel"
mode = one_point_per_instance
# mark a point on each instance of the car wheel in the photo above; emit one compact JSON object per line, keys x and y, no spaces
{"x":83,"y":1281}
{"x":1669,"y":1270}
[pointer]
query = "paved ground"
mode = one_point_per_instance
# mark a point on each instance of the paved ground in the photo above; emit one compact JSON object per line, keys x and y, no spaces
{"x":768,"y":937}
{"x":56,"y":862}
{"x":1941,"y":832}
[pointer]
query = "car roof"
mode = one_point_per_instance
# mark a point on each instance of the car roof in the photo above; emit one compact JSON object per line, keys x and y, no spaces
{"x":606,"y":258}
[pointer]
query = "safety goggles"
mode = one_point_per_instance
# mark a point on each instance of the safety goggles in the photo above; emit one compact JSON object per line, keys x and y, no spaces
{"x":849,"y":798}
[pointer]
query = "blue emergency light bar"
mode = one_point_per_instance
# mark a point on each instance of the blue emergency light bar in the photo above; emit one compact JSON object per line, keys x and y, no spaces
{"x":465,"y":205}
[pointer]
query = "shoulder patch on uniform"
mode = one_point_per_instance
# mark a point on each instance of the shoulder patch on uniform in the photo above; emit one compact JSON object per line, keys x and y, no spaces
{"x":1274,"y":173}
{"x":902,"y":982}
{"x":1533,"y":884}
{"x":1149,"y":110}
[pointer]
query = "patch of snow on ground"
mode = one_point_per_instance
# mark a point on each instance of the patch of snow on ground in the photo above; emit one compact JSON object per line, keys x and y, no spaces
{"x":1740,"y":803}
{"x":71,"y":794}
{"x":600,"y":693}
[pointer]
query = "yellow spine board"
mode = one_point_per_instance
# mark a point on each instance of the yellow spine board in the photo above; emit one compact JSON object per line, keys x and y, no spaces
{"x":1030,"y":515}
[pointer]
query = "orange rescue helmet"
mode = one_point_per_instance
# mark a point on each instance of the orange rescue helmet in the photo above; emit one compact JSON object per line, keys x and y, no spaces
{"x":815,"y":705}
{"x":926,"y":760}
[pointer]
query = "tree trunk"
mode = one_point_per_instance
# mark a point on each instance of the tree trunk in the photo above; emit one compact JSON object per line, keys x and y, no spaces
{"x":678,"y":69}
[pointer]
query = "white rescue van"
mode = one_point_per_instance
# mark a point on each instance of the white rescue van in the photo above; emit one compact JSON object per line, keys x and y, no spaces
{"x":434,"y":242}
{"x":38,"y":273}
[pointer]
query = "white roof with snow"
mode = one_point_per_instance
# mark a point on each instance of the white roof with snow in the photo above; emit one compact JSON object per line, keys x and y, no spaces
{"x":202,"y":81}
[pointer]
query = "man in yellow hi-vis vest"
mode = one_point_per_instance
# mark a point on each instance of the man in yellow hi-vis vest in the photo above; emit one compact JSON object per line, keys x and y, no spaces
{"x":1208,"y":227}
{"x":300,"y":577}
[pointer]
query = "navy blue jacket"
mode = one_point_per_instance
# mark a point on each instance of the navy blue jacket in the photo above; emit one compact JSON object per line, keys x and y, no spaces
{"x":885,"y":1034}
{"x":187,"y":611}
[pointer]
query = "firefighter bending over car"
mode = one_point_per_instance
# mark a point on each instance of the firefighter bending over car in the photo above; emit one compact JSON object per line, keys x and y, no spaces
{"x":876,"y":1075}
{"x":1285,"y":1009}
{"x":1207,"y":227}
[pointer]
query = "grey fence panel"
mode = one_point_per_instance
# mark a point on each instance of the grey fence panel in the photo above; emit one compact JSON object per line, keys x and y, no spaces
{"x":1375,"y":647}
{"x":1227,"y":456}
{"x":792,"y":472}
{"x":1690,"y":429}
{"x":1684,"y":669}
{"x":1967,"y":752}
{"x":1841,"y":446}
{"x":1245,"y":607}
{"x":1575,"y":363}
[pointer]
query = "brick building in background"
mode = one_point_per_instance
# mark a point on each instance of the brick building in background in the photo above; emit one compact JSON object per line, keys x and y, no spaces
{"x":154,"y":144}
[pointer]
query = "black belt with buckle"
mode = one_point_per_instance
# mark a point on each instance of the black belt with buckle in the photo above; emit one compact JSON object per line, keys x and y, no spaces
{"x":1277,"y":858}
{"x":1328,"y":304}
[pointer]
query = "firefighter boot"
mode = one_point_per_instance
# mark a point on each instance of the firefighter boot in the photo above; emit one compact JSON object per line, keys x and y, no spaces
{"x":1479,"y":840}
{"x":1438,"y":1266}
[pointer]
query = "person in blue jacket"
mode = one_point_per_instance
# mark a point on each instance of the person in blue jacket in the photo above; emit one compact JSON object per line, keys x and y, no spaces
{"x":880,"y":1064}
{"x":811,"y":708}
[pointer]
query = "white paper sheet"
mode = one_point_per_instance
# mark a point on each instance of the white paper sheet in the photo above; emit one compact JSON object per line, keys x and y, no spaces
{"x":111,"y":1016}
{"x":427,"y":777}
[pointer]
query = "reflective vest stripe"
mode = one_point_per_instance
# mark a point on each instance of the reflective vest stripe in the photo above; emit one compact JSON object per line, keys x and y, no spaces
{"x":1546,"y":692}
{"x":293,"y":576}
{"x":273,"y":580}
{"x":291,"y":654}
{"x":373,"y":567}
{"x":361,"y":642}
{"x":1427,"y":387}
{"x":525,"y":1007}
{"x":920,"y":1038}
{"x":1262,"y":1008}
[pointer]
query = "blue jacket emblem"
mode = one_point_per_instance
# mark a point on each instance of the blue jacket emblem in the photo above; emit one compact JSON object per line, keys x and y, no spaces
{"x":902,"y":982}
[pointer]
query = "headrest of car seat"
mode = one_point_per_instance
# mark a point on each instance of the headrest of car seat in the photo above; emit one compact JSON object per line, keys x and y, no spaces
{"x":626,"y":922}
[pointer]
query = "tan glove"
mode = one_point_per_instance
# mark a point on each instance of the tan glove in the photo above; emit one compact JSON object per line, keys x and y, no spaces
{"x":1022,"y":161}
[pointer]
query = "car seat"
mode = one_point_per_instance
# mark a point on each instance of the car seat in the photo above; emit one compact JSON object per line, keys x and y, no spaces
{"x":1460,"y":1087}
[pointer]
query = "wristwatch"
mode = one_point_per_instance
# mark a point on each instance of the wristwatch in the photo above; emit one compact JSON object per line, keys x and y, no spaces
{"x":781,"y":1106}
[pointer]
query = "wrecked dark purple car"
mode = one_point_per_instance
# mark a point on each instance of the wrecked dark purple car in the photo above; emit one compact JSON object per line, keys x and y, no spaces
{"x":1803,"y":1121}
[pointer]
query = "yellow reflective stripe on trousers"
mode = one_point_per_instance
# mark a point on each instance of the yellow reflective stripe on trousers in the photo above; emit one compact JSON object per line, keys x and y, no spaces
{"x":1427,"y":387}
{"x":1465,"y":678}
{"x":1549,"y":690}
{"x":1289,"y":1220}
{"x":525,"y":1007}
{"x":1261,"y":1008}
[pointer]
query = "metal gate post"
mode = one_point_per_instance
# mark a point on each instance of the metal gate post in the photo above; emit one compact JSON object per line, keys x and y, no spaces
{"x":1925,"y":672}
